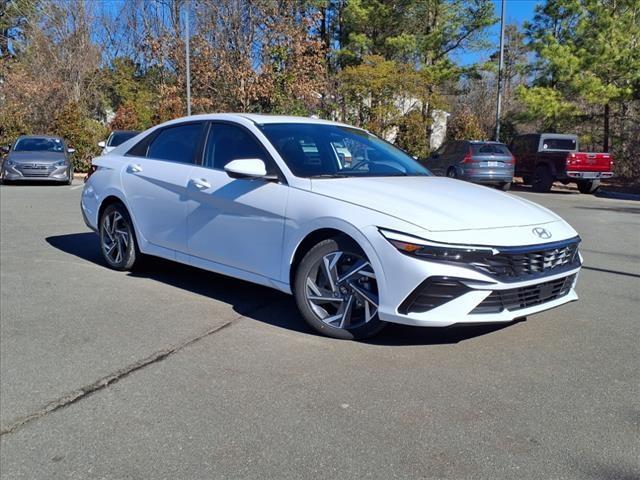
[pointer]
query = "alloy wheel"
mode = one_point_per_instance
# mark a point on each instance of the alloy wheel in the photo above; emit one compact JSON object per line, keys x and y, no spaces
{"x":116,"y":237}
{"x":341,"y":290}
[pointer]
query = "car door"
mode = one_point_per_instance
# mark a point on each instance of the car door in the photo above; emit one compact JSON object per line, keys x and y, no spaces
{"x":155,"y":183}
{"x":236,"y":222}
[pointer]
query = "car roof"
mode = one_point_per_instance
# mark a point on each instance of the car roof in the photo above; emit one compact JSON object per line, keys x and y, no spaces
{"x":258,"y":119}
{"x":125,"y":131}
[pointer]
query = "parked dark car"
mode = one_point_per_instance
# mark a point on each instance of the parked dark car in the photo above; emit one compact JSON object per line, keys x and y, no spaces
{"x":38,"y":157}
{"x":116,"y":138}
{"x":476,"y":161}
{"x":544,"y":158}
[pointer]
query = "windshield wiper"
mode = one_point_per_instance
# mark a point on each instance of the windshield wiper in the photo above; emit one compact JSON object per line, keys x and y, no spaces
{"x":331,"y":175}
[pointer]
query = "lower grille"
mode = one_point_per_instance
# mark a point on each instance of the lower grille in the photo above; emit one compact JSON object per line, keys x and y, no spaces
{"x":37,"y":170}
{"x":525,"y":297}
{"x":432,"y":293}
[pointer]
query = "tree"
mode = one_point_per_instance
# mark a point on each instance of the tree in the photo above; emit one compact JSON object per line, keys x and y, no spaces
{"x":589,"y":60}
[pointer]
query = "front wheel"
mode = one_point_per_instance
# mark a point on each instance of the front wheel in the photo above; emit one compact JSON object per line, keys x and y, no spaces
{"x":452,"y":173}
{"x":117,"y":238}
{"x":588,"y":186}
{"x":336,"y":290}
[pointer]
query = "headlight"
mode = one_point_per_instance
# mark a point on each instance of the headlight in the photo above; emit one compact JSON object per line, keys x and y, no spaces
{"x":10,"y":163}
{"x":439,"y":252}
{"x":61,"y":163}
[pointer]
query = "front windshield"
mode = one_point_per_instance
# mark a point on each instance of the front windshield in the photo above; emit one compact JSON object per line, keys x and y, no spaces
{"x":39,"y":145}
{"x":317,"y":151}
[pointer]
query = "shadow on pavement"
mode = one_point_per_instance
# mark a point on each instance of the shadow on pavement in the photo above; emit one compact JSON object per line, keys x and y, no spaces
{"x":519,"y":187}
{"x":254,"y":301}
{"x":617,"y":208}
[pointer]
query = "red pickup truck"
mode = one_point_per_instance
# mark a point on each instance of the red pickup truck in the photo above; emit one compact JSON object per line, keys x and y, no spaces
{"x":543,"y":158}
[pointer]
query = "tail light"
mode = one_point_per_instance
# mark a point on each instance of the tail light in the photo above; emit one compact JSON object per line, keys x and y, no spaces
{"x":467,"y":157}
{"x":512,"y":161}
{"x":571,"y":158}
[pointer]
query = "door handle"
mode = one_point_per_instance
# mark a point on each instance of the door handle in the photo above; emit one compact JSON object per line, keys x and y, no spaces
{"x":200,"y":183}
{"x":134,"y":168}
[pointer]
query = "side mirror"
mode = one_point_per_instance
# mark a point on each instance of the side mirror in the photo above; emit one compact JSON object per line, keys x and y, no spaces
{"x":5,"y":148}
{"x":71,"y":150}
{"x":247,"y":168}
{"x":102,"y":144}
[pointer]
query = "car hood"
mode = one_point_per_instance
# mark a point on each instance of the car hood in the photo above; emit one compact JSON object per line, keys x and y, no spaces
{"x":40,"y":157}
{"x":436,"y":203}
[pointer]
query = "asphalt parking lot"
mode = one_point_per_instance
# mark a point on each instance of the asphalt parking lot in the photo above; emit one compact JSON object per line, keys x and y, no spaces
{"x":171,"y":372}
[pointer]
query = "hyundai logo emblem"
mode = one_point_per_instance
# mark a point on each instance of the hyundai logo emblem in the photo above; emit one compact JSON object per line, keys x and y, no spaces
{"x":542,"y":233}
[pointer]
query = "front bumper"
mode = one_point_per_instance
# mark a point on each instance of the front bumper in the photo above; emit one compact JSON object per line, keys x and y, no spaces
{"x":47,"y":174}
{"x":404,"y":275}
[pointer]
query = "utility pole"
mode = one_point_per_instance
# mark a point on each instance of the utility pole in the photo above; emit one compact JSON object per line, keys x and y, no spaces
{"x":500,"y":68}
{"x":187,"y":51}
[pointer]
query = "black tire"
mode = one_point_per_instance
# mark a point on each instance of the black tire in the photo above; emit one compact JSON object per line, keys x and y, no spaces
{"x":527,"y":180}
{"x":505,"y":186}
{"x":542,"y":180}
{"x":305,"y":270}
{"x":129,"y":253}
{"x":452,"y":173}
{"x":588,"y":186}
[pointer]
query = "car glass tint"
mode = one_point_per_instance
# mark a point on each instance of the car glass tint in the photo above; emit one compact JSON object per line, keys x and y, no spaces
{"x":39,"y":145}
{"x":120,"y":137}
{"x":501,"y":150}
{"x":559,"y":144}
{"x":176,"y":144}
{"x":309,"y":151}
{"x":490,"y":148}
{"x":228,"y":142}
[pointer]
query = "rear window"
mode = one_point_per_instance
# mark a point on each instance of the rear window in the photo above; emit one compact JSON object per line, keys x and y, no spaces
{"x":489,"y":148}
{"x":551,"y":143}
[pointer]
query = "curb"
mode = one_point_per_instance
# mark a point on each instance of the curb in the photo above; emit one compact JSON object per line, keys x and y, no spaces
{"x":617,"y":195}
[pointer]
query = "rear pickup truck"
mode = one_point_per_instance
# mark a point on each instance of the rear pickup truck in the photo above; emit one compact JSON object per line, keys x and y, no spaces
{"x":544,"y":158}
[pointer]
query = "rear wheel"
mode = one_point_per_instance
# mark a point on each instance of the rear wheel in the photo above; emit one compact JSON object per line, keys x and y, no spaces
{"x":336,"y":290}
{"x":588,"y":186}
{"x":542,"y":180}
{"x":452,"y":173}
{"x":117,"y":238}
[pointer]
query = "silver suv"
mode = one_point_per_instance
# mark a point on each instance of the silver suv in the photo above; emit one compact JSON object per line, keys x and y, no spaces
{"x":476,"y":161}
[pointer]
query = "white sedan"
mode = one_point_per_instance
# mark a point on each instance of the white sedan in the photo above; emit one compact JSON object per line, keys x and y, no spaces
{"x":271,"y":200}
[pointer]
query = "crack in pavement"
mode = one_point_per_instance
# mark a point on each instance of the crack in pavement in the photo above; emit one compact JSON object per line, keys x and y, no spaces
{"x":83,"y":392}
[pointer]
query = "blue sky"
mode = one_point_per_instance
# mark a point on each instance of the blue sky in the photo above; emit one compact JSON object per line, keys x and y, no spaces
{"x":517,"y":11}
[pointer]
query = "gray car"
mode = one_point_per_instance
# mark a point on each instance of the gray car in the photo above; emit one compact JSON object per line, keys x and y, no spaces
{"x":476,"y":161}
{"x":38,"y":158}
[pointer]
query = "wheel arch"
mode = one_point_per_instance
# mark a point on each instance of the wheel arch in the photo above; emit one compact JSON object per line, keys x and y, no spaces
{"x":110,"y":200}
{"x":332,"y":229}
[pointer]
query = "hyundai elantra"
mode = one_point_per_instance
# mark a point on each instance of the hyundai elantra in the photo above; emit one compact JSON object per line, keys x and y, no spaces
{"x":358,"y":231}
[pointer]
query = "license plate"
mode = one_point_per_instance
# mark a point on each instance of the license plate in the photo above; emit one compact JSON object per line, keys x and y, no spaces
{"x":492,"y":164}
{"x":590,"y":175}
